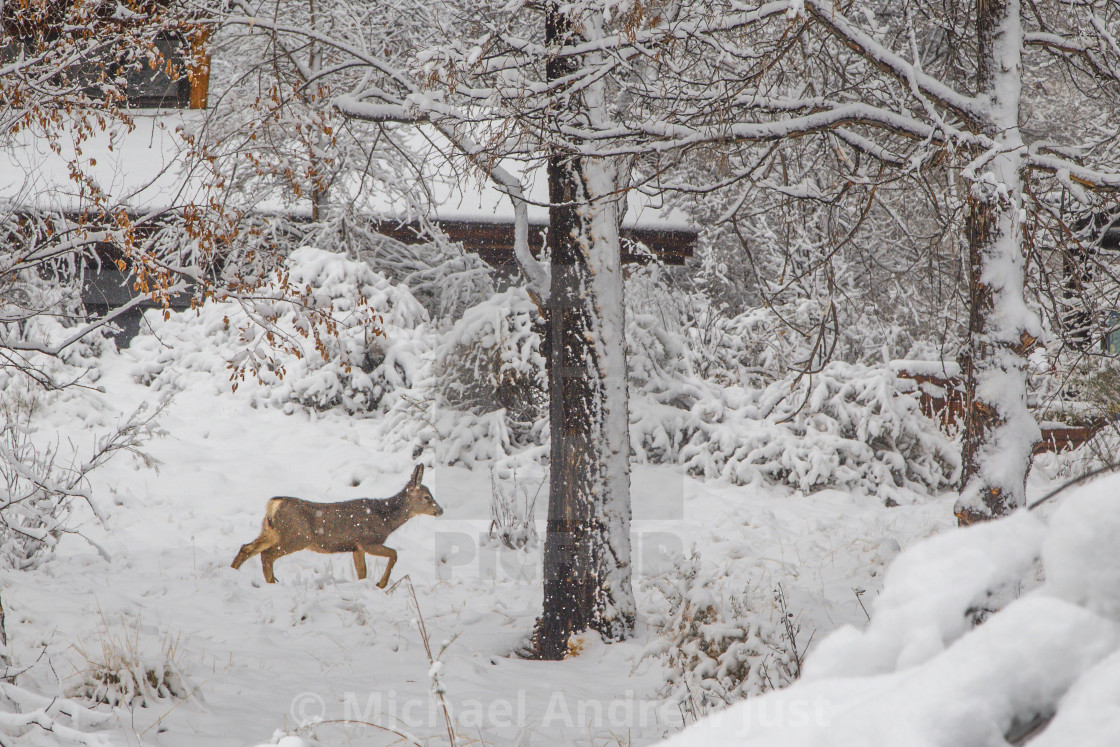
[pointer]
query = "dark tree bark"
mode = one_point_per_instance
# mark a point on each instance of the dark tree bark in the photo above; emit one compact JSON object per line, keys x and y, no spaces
{"x":999,"y":431}
{"x":587,"y":546}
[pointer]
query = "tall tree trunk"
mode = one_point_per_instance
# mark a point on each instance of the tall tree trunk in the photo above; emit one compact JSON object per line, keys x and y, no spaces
{"x":587,"y":577}
{"x":999,"y":430}
{"x":320,"y":182}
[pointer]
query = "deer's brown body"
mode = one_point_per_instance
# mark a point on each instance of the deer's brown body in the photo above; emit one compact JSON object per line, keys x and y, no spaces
{"x":359,"y":527}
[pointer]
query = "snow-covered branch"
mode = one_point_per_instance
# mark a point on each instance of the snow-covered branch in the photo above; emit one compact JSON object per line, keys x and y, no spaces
{"x":893,"y":64}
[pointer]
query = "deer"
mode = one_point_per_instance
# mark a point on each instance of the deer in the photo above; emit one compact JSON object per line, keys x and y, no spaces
{"x":359,"y":527}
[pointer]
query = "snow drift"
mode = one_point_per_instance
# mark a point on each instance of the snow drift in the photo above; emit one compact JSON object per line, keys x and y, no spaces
{"x":923,"y":673}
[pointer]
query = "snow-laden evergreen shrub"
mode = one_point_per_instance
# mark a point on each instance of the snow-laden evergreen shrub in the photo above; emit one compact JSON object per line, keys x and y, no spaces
{"x":440,"y":274}
{"x":697,"y":336}
{"x":717,"y":643}
{"x":675,"y":333}
{"x":847,"y":426}
{"x":491,"y":360}
{"x":752,"y":348}
{"x":482,"y":394}
{"x":318,"y":349}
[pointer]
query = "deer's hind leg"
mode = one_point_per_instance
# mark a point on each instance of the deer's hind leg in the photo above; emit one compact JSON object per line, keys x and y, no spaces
{"x":384,"y":552}
{"x":266,"y":540}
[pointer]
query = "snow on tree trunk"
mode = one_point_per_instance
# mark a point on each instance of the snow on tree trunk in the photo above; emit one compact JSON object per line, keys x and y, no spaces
{"x":999,"y":431}
{"x":587,"y":576}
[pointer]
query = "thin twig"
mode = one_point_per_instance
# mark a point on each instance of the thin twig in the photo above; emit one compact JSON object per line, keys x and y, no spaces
{"x":859,"y":598}
{"x":423,"y":629}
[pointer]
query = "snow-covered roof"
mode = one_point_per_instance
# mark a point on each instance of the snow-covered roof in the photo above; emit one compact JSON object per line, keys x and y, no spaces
{"x":141,"y":168}
{"x":144,"y":169}
{"x":470,"y":197}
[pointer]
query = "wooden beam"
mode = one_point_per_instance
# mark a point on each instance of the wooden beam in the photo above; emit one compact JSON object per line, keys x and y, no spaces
{"x":493,"y":240}
{"x":199,"y":74}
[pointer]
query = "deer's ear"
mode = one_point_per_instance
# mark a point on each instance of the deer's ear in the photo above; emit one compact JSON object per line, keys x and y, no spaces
{"x":417,"y":475}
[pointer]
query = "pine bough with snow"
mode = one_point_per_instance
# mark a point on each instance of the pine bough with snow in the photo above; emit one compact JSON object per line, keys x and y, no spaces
{"x":373,"y":344}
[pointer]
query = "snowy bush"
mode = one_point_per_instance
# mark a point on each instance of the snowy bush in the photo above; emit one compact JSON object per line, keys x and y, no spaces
{"x":512,"y":504}
{"x":658,"y":315}
{"x":718,"y":644}
{"x":482,"y":396}
{"x":752,"y":348}
{"x":491,"y":360}
{"x":123,"y":675}
{"x":32,"y":515}
{"x":457,"y":437}
{"x":318,"y":348}
{"x":675,"y":332}
{"x":39,"y":312}
{"x":715,"y":394}
{"x":847,"y":426}
{"x":443,"y":277}
{"x":41,"y":480}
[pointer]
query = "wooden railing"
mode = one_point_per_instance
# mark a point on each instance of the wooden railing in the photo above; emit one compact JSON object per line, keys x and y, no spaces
{"x":942,"y":397}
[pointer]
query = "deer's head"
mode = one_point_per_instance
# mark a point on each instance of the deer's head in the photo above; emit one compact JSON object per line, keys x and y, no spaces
{"x":418,"y":498}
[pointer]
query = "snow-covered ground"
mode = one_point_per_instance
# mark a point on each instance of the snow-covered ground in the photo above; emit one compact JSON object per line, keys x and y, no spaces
{"x":1040,"y":668}
{"x":137,"y":631}
{"x":259,"y":661}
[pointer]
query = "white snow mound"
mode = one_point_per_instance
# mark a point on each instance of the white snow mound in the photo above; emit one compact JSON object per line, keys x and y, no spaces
{"x":1080,"y":553}
{"x":922,"y":673}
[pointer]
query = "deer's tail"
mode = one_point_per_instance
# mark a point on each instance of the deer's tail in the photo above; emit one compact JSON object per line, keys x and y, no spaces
{"x":270,"y":510}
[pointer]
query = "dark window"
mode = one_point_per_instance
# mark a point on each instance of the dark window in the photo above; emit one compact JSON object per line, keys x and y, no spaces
{"x":148,"y":88}
{"x":143,"y":86}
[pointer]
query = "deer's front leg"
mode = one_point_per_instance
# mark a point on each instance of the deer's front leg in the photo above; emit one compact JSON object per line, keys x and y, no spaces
{"x":360,"y":563}
{"x":384,"y":552}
